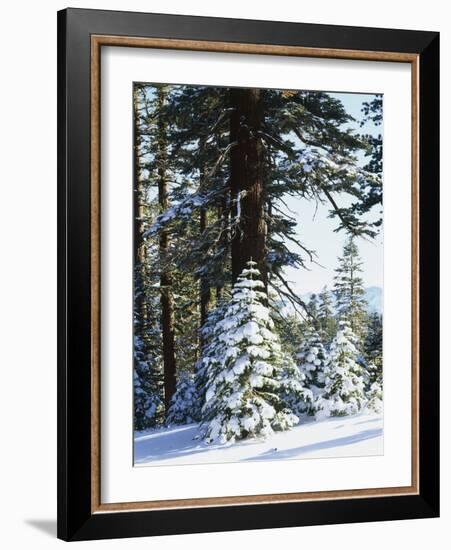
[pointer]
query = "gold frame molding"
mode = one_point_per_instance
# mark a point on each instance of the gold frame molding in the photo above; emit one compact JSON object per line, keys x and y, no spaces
{"x":97,"y":41}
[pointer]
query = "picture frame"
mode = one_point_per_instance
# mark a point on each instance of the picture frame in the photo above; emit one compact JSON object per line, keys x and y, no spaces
{"x":81,"y":36}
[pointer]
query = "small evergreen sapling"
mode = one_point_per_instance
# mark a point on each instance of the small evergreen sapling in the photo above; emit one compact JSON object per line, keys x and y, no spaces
{"x":311,"y":363}
{"x":207,"y":364}
{"x":294,"y":387}
{"x":373,"y":347}
{"x":375,"y":397}
{"x":184,"y":404}
{"x":245,"y":375}
{"x":373,"y":356}
{"x":148,"y":405}
{"x":374,"y":384}
{"x":343,"y":392}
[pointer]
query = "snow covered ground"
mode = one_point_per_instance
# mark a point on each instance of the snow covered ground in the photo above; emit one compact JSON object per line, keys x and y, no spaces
{"x":359,"y":435}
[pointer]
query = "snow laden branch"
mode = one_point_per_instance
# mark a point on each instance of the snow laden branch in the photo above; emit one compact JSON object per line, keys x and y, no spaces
{"x":247,"y":374}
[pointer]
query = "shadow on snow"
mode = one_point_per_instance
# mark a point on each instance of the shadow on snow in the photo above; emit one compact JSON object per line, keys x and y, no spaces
{"x":321,"y":445}
{"x":179,"y":442}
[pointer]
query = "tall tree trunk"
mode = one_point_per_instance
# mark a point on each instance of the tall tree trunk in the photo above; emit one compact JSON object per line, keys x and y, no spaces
{"x":268,"y":232}
{"x":140,"y":259}
{"x":223,"y":221}
{"x":166,"y":296}
{"x":246,"y":181}
{"x":204,"y":287}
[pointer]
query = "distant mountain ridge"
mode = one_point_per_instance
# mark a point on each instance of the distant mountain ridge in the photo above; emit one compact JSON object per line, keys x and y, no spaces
{"x":374,"y":296}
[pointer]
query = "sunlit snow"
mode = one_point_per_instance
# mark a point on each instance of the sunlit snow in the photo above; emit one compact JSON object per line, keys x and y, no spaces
{"x":359,"y":435}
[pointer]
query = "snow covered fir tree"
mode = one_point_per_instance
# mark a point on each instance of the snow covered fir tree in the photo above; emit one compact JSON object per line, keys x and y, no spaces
{"x":343,"y":392}
{"x":312,"y":359}
{"x":257,"y":254}
{"x":348,"y":289}
{"x":184,"y":405}
{"x":245,"y":379}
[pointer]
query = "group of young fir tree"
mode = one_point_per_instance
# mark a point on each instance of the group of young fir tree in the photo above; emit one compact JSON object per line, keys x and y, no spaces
{"x":214,"y":169}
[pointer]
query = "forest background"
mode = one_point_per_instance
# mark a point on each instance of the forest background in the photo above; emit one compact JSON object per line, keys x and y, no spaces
{"x":279,"y":177}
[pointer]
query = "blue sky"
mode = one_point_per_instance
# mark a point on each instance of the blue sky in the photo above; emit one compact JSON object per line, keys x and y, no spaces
{"x":316,"y":230}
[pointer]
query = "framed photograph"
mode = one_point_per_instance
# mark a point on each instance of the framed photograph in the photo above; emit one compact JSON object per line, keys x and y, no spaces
{"x":248,"y":274}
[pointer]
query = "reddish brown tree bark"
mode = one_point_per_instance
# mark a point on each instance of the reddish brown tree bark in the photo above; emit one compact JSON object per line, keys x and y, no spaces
{"x":246,"y":181}
{"x":140,"y":257}
{"x":166,"y":295}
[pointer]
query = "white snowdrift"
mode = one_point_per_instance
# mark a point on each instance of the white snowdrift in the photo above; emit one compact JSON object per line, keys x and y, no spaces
{"x":359,"y":435}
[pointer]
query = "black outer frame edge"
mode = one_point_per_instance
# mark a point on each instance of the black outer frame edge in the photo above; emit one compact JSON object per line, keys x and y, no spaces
{"x":75,"y":521}
{"x":429,"y":278}
{"x":257,"y":516}
{"x":74,"y":301}
{"x":61,"y":279}
{"x":216,"y":29}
